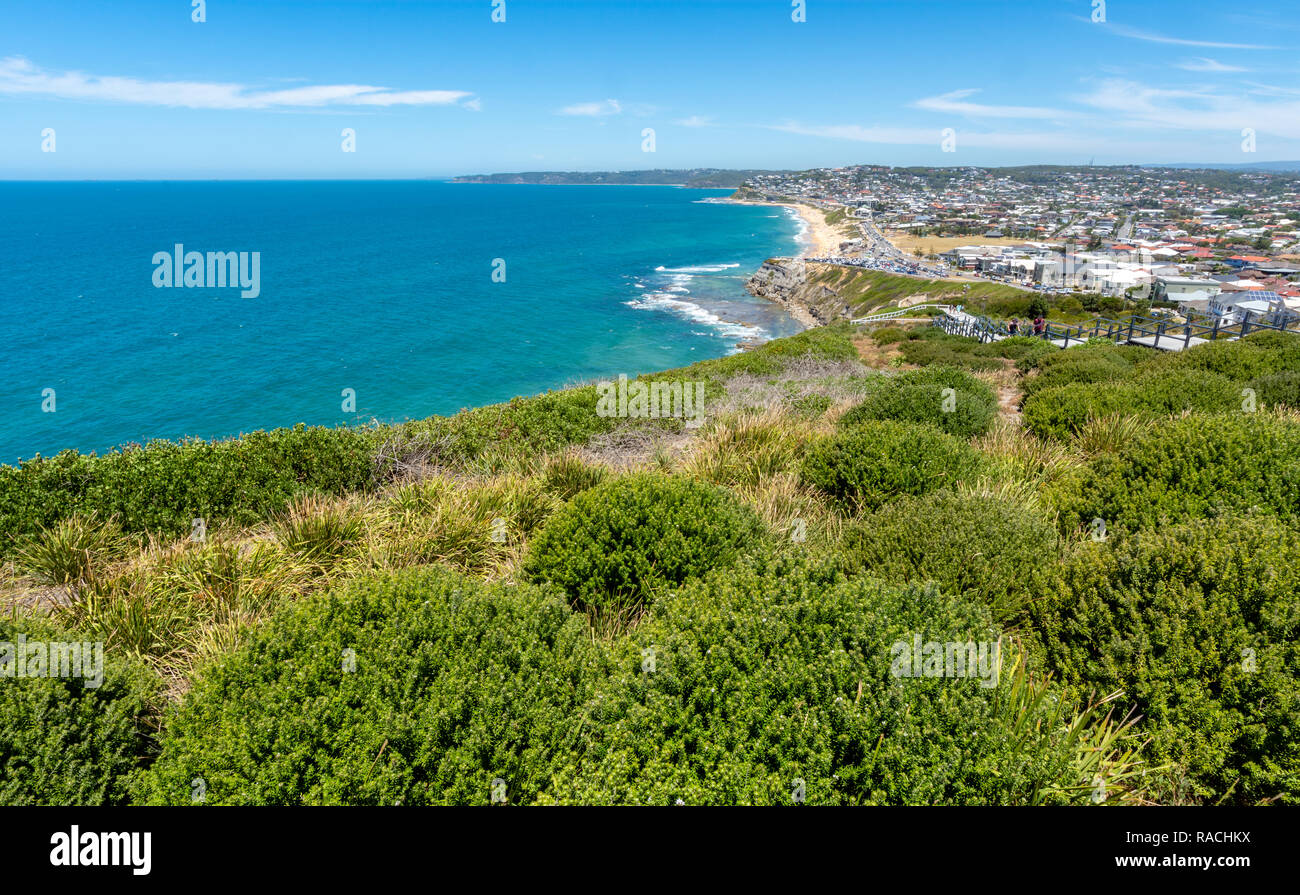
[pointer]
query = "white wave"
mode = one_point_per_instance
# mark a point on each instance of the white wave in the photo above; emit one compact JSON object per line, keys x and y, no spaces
{"x":703,"y":268}
{"x":662,"y":301}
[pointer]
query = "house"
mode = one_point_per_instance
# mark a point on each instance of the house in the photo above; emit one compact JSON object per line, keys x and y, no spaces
{"x":1266,"y":307}
{"x":1171,"y":288}
{"x":1246,"y":260}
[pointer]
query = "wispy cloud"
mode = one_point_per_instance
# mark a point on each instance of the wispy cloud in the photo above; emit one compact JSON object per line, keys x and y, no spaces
{"x":695,"y":121}
{"x":1201,"y":63}
{"x":917,"y":136}
{"x":1131,"y":104}
{"x":593,"y":110}
{"x":18,"y":77}
{"x":954,"y":102}
{"x":1125,"y":31}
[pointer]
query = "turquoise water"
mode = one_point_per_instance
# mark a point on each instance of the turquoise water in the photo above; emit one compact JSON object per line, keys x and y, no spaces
{"x":385,"y":288}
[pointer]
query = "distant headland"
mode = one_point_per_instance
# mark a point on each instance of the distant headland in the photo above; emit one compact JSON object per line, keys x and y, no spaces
{"x":696,"y":178}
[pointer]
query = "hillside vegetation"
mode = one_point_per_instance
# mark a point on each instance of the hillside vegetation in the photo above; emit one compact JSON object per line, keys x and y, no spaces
{"x":891,"y":567}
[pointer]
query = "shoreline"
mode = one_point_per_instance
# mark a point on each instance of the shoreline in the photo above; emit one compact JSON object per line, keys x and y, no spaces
{"x":818,"y":237}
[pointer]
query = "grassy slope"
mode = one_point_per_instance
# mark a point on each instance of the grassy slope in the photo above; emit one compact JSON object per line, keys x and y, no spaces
{"x":870,"y":290}
{"x":494,"y":475}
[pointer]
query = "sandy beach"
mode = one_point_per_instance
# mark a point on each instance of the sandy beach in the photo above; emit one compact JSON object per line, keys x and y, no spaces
{"x":818,"y":238}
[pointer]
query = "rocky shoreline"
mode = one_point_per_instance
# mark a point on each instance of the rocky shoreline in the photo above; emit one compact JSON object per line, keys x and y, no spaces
{"x":786,"y":281}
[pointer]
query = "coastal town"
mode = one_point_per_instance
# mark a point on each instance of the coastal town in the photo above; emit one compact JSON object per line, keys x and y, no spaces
{"x":1174,"y":241}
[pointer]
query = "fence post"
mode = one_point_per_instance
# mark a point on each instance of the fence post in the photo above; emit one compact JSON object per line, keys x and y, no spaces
{"x":1245,"y":324}
{"x":1215,"y":335}
{"x":1130,"y":329}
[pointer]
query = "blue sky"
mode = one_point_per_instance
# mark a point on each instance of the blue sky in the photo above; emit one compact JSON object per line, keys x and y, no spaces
{"x":136,"y":89}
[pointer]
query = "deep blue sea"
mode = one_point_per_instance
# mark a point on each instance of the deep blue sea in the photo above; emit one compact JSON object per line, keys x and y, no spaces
{"x":385,"y":288}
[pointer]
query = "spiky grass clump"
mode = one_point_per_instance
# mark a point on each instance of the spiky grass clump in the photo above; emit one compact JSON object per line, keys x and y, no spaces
{"x":71,"y":552}
{"x":750,"y":448}
{"x":321,"y":530}
{"x":1108,"y":434}
{"x":568,"y":474}
{"x":1016,"y":455}
{"x":473,"y":526}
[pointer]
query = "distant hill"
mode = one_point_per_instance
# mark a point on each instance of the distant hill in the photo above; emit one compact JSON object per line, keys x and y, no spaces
{"x":1247,"y":166}
{"x":699,"y":178}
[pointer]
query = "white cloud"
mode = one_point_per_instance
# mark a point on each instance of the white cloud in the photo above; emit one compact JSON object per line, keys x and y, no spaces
{"x":474,"y":105}
{"x":1130,"y":104}
{"x":1201,"y":63}
{"x":952,"y":102}
{"x":695,"y":121}
{"x":593,"y":110}
{"x":918,"y":136}
{"x":1125,"y":31}
{"x":19,"y":77}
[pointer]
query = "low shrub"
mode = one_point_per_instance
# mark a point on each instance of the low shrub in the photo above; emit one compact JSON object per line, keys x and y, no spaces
{"x":1277,"y":389}
{"x":873,"y":462}
{"x":784,"y":683}
{"x":493,"y":436}
{"x":63,"y":740}
{"x":1193,"y":467}
{"x":950,"y":399}
{"x":1196,"y":624}
{"x":1078,"y":365}
{"x":1256,"y":355}
{"x":1017,"y":348}
{"x":614,"y":547}
{"x":1064,"y":411}
{"x":934,"y":347}
{"x":888,"y":335}
{"x":162,"y":487}
{"x":415,"y":688}
{"x":978,"y":546}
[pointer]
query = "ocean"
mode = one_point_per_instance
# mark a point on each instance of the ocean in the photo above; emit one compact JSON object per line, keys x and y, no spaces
{"x":385,"y":300}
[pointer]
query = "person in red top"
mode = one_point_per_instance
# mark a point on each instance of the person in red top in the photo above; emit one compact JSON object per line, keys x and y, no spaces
{"x":1039,"y":325}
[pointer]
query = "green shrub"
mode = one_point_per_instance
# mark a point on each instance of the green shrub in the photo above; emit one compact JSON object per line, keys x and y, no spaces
{"x":1197,"y":624}
{"x":164,"y":486}
{"x":952,"y":400}
{"x":520,"y":428}
{"x":455,"y":684}
{"x":64,"y":741}
{"x":888,"y":335}
{"x":1254,"y":356}
{"x":1064,"y":411}
{"x":1277,"y":389}
{"x":978,"y":546}
{"x":1076,"y":365}
{"x":615,"y":546}
{"x":1190,"y":468}
{"x":934,"y":347}
{"x":744,"y":685}
{"x":1017,"y":348}
{"x":873,"y":462}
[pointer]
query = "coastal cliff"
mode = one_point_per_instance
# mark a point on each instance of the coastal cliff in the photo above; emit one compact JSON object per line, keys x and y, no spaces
{"x":795,"y":286}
